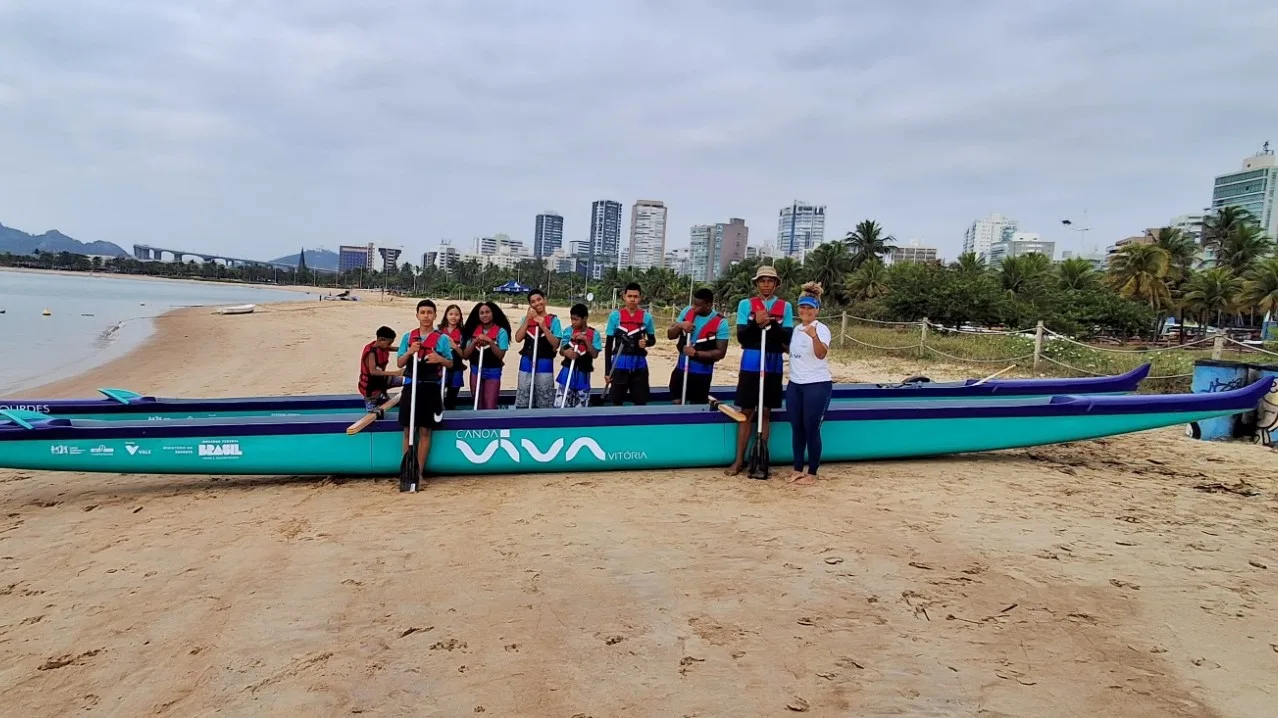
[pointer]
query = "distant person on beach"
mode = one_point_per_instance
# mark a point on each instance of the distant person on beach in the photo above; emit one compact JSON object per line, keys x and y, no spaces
{"x":630,"y":331}
{"x":704,"y":339}
{"x":539,"y":332}
{"x":374,"y":379}
{"x":486,"y":329}
{"x":807,"y":396}
{"x":765,"y":310}
{"x":581,"y":345}
{"x":434,"y":353}
{"x":451,"y":325}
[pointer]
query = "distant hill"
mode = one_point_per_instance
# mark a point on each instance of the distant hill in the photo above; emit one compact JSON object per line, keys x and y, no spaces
{"x":15,"y":241}
{"x":315,"y":259}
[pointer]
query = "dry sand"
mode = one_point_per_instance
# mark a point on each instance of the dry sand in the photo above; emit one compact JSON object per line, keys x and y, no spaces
{"x":1091,"y":579}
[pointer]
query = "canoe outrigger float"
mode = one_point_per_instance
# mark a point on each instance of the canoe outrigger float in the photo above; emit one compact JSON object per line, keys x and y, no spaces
{"x":571,"y":440}
{"x":116,"y":404}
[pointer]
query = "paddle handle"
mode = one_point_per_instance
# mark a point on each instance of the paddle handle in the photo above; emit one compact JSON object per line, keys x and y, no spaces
{"x":532,"y":378}
{"x":479,"y":377}
{"x":763,"y":363}
{"x":563,"y":401}
{"x":412,"y":408}
{"x":687,"y":364}
{"x":997,"y":373}
{"x":370,"y":417}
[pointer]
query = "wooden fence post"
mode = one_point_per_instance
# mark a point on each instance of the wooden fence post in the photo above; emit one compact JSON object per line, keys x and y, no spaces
{"x":843,"y":330}
{"x":1038,"y":344}
{"x":1218,"y":346}
{"x":923,"y":338}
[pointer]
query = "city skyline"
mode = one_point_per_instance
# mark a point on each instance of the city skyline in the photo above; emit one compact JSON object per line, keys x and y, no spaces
{"x":113,"y":129}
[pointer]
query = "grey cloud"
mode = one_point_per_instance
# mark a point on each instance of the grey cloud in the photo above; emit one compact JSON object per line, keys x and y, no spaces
{"x":320,"y":122}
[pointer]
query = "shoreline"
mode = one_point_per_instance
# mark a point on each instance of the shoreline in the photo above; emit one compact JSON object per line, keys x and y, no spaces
{"x":296,"y":288}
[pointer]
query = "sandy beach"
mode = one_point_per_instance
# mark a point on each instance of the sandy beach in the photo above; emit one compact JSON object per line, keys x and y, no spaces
{"x":1091,"y":579}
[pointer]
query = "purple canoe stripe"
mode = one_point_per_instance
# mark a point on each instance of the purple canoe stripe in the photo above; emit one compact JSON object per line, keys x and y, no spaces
{"x":338,"y":402}
{"x":1242,"y":399}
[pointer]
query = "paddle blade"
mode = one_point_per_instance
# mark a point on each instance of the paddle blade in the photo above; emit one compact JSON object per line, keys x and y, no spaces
{"x":408,"y":470}
{"x":758,"y":463}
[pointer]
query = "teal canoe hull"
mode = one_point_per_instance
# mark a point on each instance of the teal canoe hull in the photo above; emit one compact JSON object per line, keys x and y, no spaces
{"x":592,"y":440}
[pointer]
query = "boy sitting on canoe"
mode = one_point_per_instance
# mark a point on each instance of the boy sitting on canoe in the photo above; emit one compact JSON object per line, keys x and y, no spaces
{"x":580,"y":346}
{"x":703,"y":335}
{"x":374,"y":379}
{"x":434,"y":352}
{"x":630,"y":332}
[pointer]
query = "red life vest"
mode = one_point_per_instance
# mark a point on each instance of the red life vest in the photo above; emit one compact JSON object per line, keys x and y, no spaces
{"x":777,"y":312}
{"x":454,"y":335}
{"x":491,"y":332}
{"x":370,"y":385}
{"x":585,"y":363}
{"x":490,"y":367}
{"x":428,"y":348}
{"x":538,"y":333}
{"x":630,"y":322}
{"x":708,"y":330}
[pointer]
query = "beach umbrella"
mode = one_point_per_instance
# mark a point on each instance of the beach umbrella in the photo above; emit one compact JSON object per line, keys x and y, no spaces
{"x":512,"y":287}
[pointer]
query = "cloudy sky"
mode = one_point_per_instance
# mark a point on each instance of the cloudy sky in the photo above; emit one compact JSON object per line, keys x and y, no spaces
{"x":253,"y":128}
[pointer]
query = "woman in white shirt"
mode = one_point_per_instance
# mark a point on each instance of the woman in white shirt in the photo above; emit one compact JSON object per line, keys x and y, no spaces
{"x":808,"y":395}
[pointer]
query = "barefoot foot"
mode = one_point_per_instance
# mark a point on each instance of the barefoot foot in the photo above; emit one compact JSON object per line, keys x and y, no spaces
{"x":805,"y":480}
{"x":733,"y":470}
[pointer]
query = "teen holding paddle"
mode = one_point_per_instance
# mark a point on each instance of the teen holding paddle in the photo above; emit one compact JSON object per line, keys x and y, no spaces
{"x":580,"y":346}
{"x":423,"y":354}
{"x":630,"y":331}
{"x":451,"y":325}
{"x":487,"y":336}
{"x":764,"y":323}
{"x":539,"y":333}
{"x":703,"y":340}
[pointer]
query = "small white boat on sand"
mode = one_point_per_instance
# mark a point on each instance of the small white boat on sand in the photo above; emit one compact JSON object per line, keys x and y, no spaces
{"x":237,"y":309}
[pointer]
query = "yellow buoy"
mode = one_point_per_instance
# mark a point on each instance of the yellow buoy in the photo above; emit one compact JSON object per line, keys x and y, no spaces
{"x":46,"y":313}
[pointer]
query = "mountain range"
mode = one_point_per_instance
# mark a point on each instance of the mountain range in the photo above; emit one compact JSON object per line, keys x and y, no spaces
{"x":15,"y":241}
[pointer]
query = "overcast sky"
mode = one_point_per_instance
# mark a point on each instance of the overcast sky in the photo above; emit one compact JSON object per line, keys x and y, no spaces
{"x":253,"y":128}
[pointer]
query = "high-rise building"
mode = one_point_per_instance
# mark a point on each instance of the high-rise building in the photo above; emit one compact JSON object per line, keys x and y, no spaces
{"x":548,"y":235}
{"x":605,"y":237}
{"x":701,"y":251}
{"x":913,"y":251}
{"x":647,"y":234}
{"x":732,"y":248}
{"x":355,"y":257}
{"x":486,"y":245}
{"x":447,"y":257}
{"x":800,"y":228}
{"x":390,"y":258}
{"x":1018,"y":245}
{"x":985,"y":232}
{"x":679,"y":260}
{"x":1251,"y":188}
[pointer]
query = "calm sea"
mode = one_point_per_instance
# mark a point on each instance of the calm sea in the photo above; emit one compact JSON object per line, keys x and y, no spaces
{"x":93,"y":319}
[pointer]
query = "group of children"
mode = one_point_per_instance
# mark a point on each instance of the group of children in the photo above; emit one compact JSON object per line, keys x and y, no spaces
{"x":444,"y":350}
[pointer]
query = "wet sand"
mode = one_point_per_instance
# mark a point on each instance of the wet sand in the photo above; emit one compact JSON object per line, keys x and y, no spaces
{"x":1086,"y":579}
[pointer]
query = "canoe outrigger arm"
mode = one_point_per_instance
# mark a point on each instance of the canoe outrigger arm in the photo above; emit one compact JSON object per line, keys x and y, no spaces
{"x":124,"y":396}
{"x":729,"y":411}
{"x":23,"y":418}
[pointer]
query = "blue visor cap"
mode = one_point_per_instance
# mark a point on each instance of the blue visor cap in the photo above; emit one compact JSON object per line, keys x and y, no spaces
{"x":810,"y":302}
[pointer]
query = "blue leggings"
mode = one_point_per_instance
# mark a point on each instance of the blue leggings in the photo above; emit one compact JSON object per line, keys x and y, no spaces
{"x":806,"y":405}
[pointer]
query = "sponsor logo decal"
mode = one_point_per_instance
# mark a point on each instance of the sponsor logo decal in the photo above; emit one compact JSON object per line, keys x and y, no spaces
{"x":228,"y":449}
{"x":501,"y":440}
{"x":40,"y":408}
{"x":135,"y":450}
{"x":102,"y":450}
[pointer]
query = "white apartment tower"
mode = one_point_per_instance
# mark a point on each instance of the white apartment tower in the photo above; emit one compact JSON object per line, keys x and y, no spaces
{"x":985,"y":232}
{"x":647,"y":234}
{"x":800,"y":228}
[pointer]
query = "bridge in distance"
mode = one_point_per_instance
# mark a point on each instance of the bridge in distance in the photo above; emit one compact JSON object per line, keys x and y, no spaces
{"x":149,"y":253}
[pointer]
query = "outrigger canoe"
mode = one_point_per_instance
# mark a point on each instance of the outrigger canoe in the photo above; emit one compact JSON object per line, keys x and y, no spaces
{"x":116,"y":404}
{"x":593,"y":439}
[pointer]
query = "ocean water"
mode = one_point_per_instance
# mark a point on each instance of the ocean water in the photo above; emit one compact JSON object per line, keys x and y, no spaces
{"x":93,"y":319}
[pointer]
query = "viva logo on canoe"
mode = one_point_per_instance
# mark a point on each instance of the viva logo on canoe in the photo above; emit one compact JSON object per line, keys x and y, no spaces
{"x":501,"y":440}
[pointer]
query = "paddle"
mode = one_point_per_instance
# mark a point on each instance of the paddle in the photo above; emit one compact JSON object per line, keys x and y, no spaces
{"x":728,"y":411}
{"x":479,"y":377}
{"x":532,"y":380}
{"x":758,"y":466}
{"x":408,"y":468}
{"x":443,"y":387}
{"x":687,"y":364}
{"x":372,"y":416}
{"x":991,"y":376}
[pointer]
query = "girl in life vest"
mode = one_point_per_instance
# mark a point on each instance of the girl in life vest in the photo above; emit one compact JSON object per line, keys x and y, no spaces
{"x":762,"y":310}
{"x":580,"y":346}
{"x":451,"y":326}
{"x":541,"y":330}
{"x":486,"y":328}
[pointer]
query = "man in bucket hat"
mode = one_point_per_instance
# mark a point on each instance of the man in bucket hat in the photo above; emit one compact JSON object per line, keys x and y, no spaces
{"x":765,"y":309}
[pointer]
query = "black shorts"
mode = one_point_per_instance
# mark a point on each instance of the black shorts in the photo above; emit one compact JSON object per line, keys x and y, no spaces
{"x":748,"y":390}
{"x":631,"y":384}
{"x":429,"y":405}
{"x":698,"y":387}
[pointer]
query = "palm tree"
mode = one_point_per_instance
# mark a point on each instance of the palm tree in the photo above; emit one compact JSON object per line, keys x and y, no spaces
{"x":1022,"y":276}
{"x":1260,"y":287}
{"x":791,"y":274}
{"x":829,"y":264}
{"x":867,"y":242}
{"x":1239,"y":249}
{"x":1213,"y":291}
{"x":1076,"y":273}
{"x":1139,"y":273}
{"x":869,"y":281}
{"x":1181,"y":251}
{"x":1224,"y":222}
{"x":968,"y":265}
